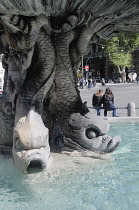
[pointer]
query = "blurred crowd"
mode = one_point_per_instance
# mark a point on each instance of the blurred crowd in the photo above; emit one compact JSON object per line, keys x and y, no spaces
{"x":89,"y":83}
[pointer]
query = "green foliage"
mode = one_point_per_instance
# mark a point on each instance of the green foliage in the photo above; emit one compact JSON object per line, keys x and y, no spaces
{"x":129,"y":41}
{"x":121,"y":59}
{"x":120,"y":48}
{"x":79,"y":73}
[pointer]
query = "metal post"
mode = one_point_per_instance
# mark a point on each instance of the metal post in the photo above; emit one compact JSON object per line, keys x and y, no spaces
{"x":131,"y":109}
{"x":82,"y":68}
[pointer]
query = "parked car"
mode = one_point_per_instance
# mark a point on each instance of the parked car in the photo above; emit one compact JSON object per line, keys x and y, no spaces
{"x":98,"y":79}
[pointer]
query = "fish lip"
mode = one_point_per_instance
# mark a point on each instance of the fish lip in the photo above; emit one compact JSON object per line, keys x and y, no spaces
{"x":113,"y":148}
{"x":109,"y":148}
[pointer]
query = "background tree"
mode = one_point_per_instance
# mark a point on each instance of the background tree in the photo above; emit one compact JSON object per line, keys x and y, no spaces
{"x":120,"y":49}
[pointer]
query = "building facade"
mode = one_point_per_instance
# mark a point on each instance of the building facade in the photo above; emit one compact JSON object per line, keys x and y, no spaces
{"x":100,"y":65}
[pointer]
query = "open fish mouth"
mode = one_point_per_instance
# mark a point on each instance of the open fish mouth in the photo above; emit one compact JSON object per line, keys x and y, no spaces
{"x":36,"y":162}
{"x":34,"y":158}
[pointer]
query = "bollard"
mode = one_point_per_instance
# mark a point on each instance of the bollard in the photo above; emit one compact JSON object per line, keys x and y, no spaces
{"x":131,"y":109}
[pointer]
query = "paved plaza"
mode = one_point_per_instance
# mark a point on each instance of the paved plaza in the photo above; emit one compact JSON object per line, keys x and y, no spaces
{"x":123,"y":94}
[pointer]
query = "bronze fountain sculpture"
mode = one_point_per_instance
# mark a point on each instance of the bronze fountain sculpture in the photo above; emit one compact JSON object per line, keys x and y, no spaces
{"x":41,"y":42}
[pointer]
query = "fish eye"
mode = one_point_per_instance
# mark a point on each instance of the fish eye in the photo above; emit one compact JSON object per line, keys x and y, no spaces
{"x":92,"y":133}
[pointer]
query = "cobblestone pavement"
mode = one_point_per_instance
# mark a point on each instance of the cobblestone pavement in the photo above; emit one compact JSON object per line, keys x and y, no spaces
{"x":123,"y":94}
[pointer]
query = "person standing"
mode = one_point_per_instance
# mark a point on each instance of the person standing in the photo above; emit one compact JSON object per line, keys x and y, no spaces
{"x":0,"y":93}
{"x":108,"y":102}
{"x":89,"y":84}
{"x":94,"y":82}
{"x":96,"y":101}
{"x":103,"y":82}
{"x":81,"y":83}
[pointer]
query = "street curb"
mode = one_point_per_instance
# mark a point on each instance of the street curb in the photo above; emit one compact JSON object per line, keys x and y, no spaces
{"x":122,"y":119}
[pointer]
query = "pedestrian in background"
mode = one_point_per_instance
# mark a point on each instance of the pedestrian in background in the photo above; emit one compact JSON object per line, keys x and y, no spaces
{"x":89,"y":84}
{"x":81,"y":83}
{"x":108,"y":102}
{"x":96,"y":99}
{"x":103,"y":82}
{"x":0,"y":93}
{"x":94,"y":82}
{"x":85,"y":82}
